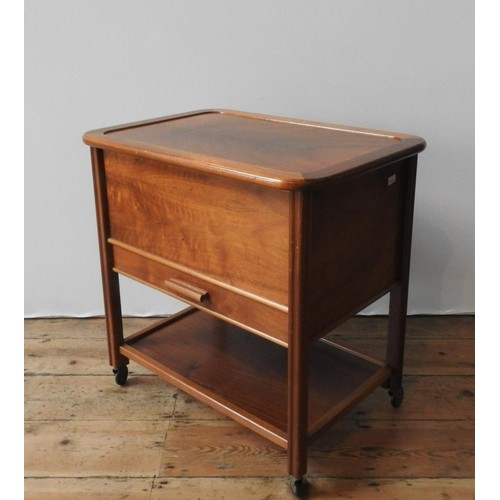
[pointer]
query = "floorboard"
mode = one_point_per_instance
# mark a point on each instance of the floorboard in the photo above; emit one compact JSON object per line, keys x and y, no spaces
{"x":87,"y":438}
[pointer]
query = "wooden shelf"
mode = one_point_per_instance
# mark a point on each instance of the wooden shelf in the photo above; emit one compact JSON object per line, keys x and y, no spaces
{"x":245,"y":377}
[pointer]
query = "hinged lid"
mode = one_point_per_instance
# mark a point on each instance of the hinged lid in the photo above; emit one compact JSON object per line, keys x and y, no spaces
{"x":279,"y":152}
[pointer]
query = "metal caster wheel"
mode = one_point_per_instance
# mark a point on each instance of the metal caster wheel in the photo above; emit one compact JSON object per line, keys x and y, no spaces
{"x":121,"y":374}
{"x":299,"y":487}
{"x":397,"y":397}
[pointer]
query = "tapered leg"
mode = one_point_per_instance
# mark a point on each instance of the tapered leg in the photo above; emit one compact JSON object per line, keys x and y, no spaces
{"x":111,"y":287}
{"x":298,"y":347}
{"x":399,"y":295}
{"x":297,"y":411}
{"x":396,"y":342}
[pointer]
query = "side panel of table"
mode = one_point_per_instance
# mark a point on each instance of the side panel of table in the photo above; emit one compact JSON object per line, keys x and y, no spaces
{"x":356,"y":229}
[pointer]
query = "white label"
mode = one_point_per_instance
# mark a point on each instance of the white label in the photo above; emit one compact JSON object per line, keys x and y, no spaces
{"x":391,"y":179}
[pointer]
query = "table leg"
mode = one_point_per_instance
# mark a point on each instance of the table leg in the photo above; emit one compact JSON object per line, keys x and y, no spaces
{"x":396,"y":343}
{"x":110,"y":283}
{"x":399,"y":295}
{"x":298,"y":346}
{"x":297,"y":411}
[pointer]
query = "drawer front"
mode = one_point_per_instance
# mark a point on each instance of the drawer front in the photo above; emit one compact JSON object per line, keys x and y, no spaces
{"x":247,"y":311}
{"x":230,"y":231}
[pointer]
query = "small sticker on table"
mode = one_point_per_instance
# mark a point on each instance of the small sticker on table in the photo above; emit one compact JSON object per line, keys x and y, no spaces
{"x":391,"y":179}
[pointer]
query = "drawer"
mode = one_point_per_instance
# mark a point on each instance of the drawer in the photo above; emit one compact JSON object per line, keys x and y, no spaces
{"x":228,"y":230}
{"x":251,"y":312}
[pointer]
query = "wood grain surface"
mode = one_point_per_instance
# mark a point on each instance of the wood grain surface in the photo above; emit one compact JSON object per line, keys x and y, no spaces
{"x":226,"y":230}
{"x":278,"y":152}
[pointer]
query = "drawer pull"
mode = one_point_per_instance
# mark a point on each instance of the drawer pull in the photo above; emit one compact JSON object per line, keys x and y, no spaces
{"x":187,"y":290}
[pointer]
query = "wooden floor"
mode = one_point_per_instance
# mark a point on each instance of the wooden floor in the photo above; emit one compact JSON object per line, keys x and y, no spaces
{"x":87,"y":438}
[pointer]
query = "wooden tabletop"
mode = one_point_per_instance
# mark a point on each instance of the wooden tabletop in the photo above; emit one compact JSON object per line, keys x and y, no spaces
{"x":280,"y":152}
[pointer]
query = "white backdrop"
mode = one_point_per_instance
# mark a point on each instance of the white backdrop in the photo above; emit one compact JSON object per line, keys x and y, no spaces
{"x":397,"y":65}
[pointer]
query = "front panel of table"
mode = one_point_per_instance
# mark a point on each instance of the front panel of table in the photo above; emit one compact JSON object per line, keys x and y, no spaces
{"x":220,"y":235}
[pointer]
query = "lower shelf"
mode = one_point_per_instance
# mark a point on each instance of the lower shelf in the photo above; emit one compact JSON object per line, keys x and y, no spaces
{"x":245,"y":376}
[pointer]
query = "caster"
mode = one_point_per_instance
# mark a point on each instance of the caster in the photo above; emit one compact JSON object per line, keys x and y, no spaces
{"x":397,"y":397}
{"x":121,"y":374}
{"x":299,"y":487}
{"x":385,"y":385}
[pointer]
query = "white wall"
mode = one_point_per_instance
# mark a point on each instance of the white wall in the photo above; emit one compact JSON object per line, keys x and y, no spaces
{"x":400,"y":65}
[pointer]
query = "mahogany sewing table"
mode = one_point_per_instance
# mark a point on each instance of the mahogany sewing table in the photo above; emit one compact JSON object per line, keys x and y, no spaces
{"x":274,"y":231}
